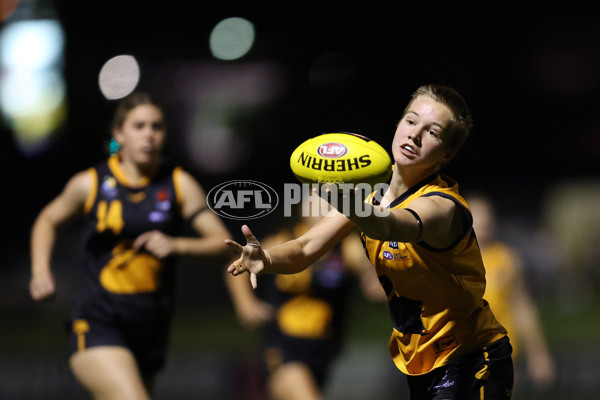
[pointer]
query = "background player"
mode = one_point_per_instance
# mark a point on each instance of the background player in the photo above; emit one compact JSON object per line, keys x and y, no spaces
{"x":506,"y":290}
{"x":445,"y":337}
{"x":304,"y":312}
{"x":134,"y":204}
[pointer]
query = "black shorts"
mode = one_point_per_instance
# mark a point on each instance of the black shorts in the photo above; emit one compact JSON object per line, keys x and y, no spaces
{"x":143,"y":331}
{"x":317,"y":354}
{"x":483,"y":375}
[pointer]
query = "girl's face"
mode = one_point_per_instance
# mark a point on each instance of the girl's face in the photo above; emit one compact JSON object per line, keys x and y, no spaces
{"x":142,"y":134}
{"x":419,"y":137}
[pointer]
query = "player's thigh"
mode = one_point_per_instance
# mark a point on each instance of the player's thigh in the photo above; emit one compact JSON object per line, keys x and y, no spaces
{"x":109,"y":372}
{"x":293,"y":381}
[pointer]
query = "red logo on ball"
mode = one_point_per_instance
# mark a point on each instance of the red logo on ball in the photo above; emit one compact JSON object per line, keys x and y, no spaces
{"x":332,"y":150}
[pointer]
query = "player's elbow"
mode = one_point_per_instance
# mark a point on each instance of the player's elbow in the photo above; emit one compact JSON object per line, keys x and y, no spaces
{"x":45,"y":221}
{"x":377,"y":231}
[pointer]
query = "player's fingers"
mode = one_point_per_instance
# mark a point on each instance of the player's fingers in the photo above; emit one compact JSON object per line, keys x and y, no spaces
{"x":35,"y":293}
{"x":236,"y":268}
{"x":253,"y":280}
{"x":142,"y":239}
{"x":251,"y":240}
{"x":240,"y":267}
{"x":235,"y":246}
{"x":40,"y":292}
{"x":34,"y":289}
{"x":159,"y":252}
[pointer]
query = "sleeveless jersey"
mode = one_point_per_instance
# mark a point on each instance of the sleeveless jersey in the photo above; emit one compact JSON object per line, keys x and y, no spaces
{"x":309,"y":305}
{"x":117,"y":279}
{"x":435,"y":295}
{"x":501,"y":272}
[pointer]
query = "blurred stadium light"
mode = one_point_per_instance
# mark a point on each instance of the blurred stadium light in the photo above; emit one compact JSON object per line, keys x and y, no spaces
{"x":32,"y":86}
{"x":119,"y":76}
{"x":231,"y":39}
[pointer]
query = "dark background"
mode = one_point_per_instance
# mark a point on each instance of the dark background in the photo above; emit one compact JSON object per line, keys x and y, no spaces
{"x":529,"y":73}
{"x":530,"y":77}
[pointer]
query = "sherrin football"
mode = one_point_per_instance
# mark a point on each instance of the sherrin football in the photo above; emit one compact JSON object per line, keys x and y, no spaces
{"x":341,"y":158}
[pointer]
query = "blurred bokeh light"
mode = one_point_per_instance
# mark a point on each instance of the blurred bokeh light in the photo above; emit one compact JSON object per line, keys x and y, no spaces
{"x":32,"y":91}
{"x":119,"y":77}
{"x":231,"y":38}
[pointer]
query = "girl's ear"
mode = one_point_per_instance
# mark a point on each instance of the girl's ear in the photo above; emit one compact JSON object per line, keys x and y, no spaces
{"x":117,"y":135}
{"x":448,"y":156}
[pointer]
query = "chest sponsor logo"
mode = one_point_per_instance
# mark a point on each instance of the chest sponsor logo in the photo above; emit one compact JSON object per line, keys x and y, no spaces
{"x":157,"y":216}
{"x":109,"y":187}
{"x":388,"y":255}
{"x":162,"y":200}
{"x":136,"y":197}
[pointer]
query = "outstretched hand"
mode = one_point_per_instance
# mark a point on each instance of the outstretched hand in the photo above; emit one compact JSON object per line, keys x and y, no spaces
{"x":156,"y":243}
{"x":253,"y":258}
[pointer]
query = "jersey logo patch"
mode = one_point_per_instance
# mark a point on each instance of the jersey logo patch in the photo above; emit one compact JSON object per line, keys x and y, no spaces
{"x":157,"y":216}
{"x":445,"y":343}
{"x":393,"y":245}
{"x":136,"y":197}
{"x":162,"y":200}
{"x":109,"y":187}
{"x":393,"y":256}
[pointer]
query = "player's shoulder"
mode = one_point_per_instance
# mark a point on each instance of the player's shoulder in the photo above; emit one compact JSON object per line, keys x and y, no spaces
{"x":78,"y":186}
{"x":83,"y":178}
{"x":185,"y":180}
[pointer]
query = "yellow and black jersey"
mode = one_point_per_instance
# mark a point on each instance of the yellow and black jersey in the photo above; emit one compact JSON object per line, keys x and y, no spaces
{"x":309,"y":312}
{"x":501,"y":271}
{"x":116,"y":214}
{"x":126,"y":296}
{"x":435,"y":295}
{"x":308,"y":302}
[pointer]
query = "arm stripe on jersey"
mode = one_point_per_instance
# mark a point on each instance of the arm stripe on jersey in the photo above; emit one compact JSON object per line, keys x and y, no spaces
{"x":89,"y":202}
{"x":178,"y":189}
{"x":197,"y":212}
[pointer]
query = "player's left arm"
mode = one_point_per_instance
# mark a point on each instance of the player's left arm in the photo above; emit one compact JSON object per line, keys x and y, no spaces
{"x":211,"y":230}
{"x":540,"y":363}
{"x":435,"y":220}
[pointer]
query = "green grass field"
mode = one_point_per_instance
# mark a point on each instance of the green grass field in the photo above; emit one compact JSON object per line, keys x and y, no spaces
{"x":208,"y":346}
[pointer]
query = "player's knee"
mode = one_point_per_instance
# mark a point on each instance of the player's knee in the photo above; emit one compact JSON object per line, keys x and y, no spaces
{"x":109,"y":374}
{"x":293,"y":381}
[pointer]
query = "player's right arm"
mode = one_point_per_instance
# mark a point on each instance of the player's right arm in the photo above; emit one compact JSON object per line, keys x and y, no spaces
{"x":66,"y":205}
{"x":294,"y":255}
{"x":252,"y":311}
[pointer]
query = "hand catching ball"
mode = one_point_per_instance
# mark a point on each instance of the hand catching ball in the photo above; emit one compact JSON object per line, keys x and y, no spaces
{"x":341,"y":158}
